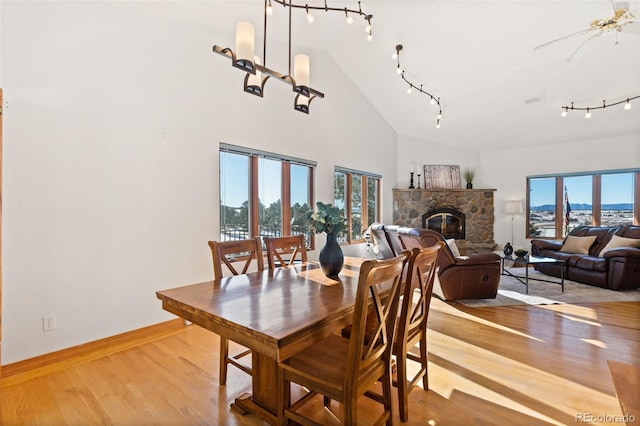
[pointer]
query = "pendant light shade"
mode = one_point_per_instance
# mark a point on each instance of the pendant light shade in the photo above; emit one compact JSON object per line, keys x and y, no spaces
{"x":301,"y":74}
{"x":301,"y":103}
{"x":245,"y":36}
{"x":254,"y":83}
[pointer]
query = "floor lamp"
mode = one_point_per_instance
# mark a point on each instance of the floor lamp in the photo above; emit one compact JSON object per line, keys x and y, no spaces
{"x":513,"y":207}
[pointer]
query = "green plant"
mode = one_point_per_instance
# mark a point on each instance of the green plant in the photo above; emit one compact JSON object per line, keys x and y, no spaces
{"x":327,"y":219}
{"x":468,"y":174}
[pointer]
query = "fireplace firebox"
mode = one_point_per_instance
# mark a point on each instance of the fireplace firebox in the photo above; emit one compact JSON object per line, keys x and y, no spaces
{"x":448,"y":221}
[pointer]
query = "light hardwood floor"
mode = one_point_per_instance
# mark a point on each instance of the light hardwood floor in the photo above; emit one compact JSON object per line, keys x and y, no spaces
{"x":519,"y":365}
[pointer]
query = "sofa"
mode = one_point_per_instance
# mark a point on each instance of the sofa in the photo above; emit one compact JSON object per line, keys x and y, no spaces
{"x":607,"y":257}
{"x":476,"y":276}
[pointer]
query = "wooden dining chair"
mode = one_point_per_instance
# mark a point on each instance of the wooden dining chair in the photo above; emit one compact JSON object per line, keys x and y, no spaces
{"x":411,"y":328}
{"x":226,"y":254}
{"x":343,"y":369}
{"x":411,"y":324}
{"x":284,"y":251}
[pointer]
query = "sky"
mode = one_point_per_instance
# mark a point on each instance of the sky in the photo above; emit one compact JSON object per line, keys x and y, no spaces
{"x":234,"y":178}
{"x":616,"y":188}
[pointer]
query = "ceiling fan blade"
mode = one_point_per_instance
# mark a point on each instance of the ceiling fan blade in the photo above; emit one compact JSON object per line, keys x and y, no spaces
{"x":631,"y":27}
{"x":580,"y":50}
{"x":563,"y":38}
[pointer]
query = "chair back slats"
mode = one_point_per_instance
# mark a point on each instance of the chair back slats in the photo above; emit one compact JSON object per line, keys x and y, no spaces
{"x":378,"y":292}
{"x":284,"y":251}
{"x":229,"y":252}
{"x":421,"y":273}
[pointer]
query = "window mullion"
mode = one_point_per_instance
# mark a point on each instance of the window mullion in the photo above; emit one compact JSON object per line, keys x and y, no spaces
{"x":559,"y":207}
{"x":286,"y":198}
{"x":596,"y":200}
{"x":347,"y":205}
{"x":254,"y":226}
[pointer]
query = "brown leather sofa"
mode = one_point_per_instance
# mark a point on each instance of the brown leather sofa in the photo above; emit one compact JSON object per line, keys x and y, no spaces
{"x":616,"y":269}
{"x":467,"y":277}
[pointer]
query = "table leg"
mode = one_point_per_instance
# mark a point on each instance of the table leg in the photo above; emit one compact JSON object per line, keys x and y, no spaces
{"x":526,"y":278}
{"x":263,"y":402}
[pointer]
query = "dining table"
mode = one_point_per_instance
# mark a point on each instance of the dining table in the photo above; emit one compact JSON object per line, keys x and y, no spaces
{"x":275,"y":313}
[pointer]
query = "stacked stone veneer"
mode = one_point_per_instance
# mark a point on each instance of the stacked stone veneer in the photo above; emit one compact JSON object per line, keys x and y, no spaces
{"x":477,"y":204}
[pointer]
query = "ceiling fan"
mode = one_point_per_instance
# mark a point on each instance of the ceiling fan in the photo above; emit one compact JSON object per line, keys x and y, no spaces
{"x":623,"y":20}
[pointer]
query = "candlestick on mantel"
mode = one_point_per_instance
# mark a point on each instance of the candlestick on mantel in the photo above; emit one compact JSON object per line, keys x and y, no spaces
{"x":411,"y":182}
{"x":418,"y":180}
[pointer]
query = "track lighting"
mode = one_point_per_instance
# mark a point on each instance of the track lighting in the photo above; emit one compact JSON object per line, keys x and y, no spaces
{"x":433,"y":99}
{"x":626,"y":102}
{"x":348,"y":18}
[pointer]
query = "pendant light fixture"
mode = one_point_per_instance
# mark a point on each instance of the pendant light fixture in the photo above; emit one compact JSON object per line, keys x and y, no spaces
{"x":257,"y":72}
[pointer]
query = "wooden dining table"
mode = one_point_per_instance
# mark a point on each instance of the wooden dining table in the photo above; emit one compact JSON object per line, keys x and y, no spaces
{"x":276,"y":313}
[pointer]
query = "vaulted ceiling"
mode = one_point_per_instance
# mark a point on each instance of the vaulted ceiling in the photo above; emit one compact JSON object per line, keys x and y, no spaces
{"x":476,"y":56}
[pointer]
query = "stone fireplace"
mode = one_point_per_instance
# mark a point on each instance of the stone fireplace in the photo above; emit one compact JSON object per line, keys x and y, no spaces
{"x":467,"y":215}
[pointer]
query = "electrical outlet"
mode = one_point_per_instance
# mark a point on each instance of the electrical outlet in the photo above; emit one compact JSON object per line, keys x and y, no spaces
{"x":48,"y":322}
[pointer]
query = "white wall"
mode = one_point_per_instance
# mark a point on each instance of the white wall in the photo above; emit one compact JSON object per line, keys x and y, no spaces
{"x":417,"y":153}
{"x":111,"y":161}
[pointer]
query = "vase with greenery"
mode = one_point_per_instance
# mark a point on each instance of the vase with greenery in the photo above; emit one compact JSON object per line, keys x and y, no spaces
{"x":468,"y":175}
{"x":330,"y":220}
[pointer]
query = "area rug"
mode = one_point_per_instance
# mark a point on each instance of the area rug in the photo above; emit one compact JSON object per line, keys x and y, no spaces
{"x":512,"y":292}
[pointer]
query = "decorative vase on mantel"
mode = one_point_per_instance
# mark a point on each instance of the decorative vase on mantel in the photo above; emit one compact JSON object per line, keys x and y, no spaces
{"x":469,"y":185}
{"x":331,"y":257}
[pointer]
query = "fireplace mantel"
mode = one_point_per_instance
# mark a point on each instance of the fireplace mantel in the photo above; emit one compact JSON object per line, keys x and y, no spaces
{"x":477,"y":204}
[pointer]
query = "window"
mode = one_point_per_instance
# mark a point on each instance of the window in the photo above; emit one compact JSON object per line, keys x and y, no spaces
{"x":358,"y":194}
{"x":263,"y":194}
{"x":558,"y":204}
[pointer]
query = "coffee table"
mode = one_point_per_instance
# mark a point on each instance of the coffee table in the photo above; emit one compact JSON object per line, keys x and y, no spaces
{"x":526,"y":262}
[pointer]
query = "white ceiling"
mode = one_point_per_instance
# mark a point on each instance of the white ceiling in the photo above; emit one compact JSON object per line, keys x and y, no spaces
{"x":477,"y":56}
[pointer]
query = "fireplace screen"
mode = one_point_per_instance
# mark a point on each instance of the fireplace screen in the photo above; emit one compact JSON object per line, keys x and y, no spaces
{"x":448,"y":221}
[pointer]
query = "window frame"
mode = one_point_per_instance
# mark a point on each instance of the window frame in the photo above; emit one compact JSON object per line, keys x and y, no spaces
{"x":254,"y":156}
{"x":596,"y":199}
{"x":364,"y":210}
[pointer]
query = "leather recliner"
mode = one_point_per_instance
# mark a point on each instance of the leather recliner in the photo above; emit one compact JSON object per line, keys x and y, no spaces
{"x":466,"y":277}
{"x":476,"y":276}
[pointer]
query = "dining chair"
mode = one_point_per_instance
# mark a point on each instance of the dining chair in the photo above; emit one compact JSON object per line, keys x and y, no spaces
{"x":411,"y":327}
{"x":284,"y":251}
{"x":343,"y":369}
{"x":411,"y":323}
{"x":225,"y":254}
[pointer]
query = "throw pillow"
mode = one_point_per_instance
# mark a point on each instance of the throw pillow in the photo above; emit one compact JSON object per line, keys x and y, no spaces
{"x":617,"y":241}
{"x":453,"y":246}
{"x":577,"y":245}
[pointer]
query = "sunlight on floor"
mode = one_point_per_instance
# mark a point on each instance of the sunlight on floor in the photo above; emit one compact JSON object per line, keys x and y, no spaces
{"x":493,"y":382}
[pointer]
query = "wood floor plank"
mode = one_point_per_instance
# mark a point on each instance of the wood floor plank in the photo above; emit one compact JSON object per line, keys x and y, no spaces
{"x":518,"y":365}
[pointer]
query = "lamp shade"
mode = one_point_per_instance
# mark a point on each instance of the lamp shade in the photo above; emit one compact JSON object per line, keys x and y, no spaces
{"x":301,"y":70}
{"x":513,"y":207}
{"x":245,"y":35}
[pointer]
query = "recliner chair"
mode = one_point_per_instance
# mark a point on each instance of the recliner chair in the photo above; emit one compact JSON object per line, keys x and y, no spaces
{"x":466,"y":277}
